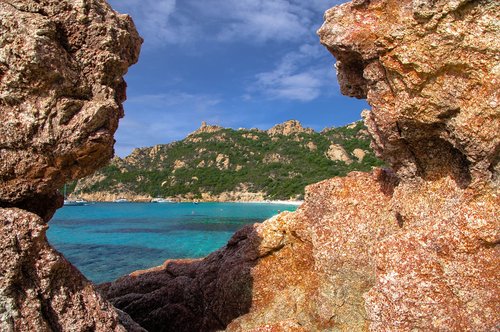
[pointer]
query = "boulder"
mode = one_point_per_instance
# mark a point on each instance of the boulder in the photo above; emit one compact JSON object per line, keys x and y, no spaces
{"x":359,"y":154}
{"x":337,"y":153}
{"x":288,"y":128}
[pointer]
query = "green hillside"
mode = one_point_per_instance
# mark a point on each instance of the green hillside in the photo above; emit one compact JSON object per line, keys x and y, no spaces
{"x":279,"y":163}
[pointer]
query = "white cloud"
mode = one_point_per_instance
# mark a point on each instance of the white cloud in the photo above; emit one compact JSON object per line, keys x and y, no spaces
{"x":299,"y":75}
{"x":163,"y":22}
{"x":261,"y":20}
{"x":158,"y":21}
{"x":301,"y":86}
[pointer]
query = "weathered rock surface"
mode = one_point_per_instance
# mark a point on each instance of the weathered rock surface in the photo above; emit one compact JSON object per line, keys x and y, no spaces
{"x":277,"y":271}
{"x":288,"y":128}
{"x":430,"y":71}
{"x":61,"y":89}
{"x":440,"y":273}
{"x":413,"y":250}
{"x":39,"y":289}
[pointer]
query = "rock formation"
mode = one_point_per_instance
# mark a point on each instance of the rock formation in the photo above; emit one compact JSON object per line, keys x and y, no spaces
{"x":414,"y":249}
{"x":430,"y":72}
{"x":337,"y":153}
{"x":288,"y":128}
{"x":276,"y":272}
{"x":61,"y":94}
{"x":205,"y":128}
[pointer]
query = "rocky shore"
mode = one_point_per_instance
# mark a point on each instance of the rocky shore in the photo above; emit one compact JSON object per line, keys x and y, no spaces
{"x":414,"y":247}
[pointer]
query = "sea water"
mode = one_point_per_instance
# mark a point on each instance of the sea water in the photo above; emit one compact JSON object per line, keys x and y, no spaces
{"x":108,"y":240}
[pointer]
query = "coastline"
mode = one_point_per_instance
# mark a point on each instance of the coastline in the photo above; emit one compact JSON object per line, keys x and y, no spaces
{"x":105,"y":197}
{"x":298,"y":203}
{"x":276,"y":202}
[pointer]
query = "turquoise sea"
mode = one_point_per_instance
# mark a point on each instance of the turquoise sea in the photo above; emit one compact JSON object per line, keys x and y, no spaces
{"x":108,"y":240}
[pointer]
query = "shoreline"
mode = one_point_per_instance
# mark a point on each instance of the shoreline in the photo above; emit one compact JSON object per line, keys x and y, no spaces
{"x":276,"y":202}
{"x":266,"y":202}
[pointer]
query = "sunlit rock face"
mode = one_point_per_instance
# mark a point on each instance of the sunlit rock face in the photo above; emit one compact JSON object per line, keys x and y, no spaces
{"x":430,"y":71}
{"x":413,"y":249}
{"x":61,"y":89}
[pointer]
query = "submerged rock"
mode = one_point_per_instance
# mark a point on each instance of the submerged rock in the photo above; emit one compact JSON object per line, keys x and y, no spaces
{"x":412,"y":250}
{"x":61,"y":94}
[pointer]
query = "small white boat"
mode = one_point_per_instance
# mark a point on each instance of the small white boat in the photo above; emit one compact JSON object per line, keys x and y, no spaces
{"x":161,"y":200}
{"x":120,"y":200}
{"x":73,"y":202}
{"x":78,"y":202}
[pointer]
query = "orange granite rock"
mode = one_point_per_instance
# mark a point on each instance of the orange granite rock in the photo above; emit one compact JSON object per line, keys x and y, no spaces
{"x":413,"y":250}
{"x":430,"y":72}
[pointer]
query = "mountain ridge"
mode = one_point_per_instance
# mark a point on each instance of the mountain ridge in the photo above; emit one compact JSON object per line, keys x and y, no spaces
{"x":215,"y":163}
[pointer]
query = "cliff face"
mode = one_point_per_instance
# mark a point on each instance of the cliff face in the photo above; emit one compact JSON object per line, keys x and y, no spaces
{"x":429,"y":70}
{"x":61,"y":84}
{"x":411,"y":250}
{"x":61,"y":89}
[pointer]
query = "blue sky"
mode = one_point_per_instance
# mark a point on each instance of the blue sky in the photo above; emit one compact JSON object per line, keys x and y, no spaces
{"x":234,"y":63}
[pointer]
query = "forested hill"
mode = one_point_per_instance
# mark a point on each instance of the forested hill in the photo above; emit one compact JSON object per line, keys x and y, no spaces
{"x":215,"y":163}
